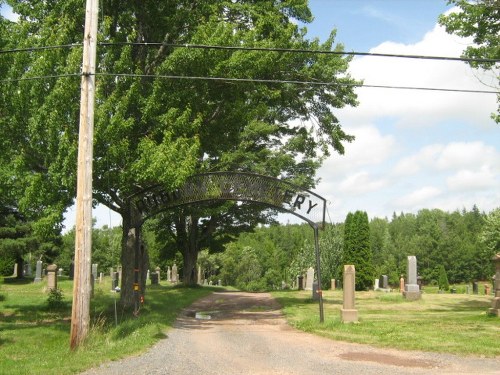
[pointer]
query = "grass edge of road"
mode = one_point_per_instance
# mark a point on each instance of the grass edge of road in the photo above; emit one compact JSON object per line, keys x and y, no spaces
{"x":35,"y":331}
{"x":444,"y":323}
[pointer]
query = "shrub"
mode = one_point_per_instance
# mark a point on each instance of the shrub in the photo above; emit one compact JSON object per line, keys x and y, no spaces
{"x":443,"y":279}
{"x":55,"y":299}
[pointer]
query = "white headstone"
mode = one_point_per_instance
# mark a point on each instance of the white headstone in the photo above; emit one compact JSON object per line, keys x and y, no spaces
{"x":412,"y":290}
{"x":175,"y":276}
{"x":38,"y":275}
{"x":310,"y":279}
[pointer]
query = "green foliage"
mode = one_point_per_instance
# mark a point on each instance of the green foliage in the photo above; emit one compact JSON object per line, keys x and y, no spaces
{"x":479,"y":20}
{"x":463,"y":242}
{"x":106,"y":248}
{"x":55,"y":300}
{"x":357,"y":250}
{"x":26,"y":319}
{"x":443,"y":283}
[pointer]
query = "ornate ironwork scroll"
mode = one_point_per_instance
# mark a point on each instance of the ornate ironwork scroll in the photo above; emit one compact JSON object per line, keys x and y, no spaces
{"x":236,"y":186}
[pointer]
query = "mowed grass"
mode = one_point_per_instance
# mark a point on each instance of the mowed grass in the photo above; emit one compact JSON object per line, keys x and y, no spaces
{"x":447,"y":323}
{"x":34,"y":339}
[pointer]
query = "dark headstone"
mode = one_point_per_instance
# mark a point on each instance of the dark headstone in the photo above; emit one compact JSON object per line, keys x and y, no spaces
{"x":475,"y":287}
{"x":315,"y":294}
{"x":154,"y":278}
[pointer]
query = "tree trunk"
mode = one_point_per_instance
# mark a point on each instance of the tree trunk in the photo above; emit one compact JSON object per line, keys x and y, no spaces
{"x":187,"y":240}
{"x":134,"y":260}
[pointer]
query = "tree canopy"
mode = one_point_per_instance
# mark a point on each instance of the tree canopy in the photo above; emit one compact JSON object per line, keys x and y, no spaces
{"x":164,"y":112}
{"x":479,"y":20}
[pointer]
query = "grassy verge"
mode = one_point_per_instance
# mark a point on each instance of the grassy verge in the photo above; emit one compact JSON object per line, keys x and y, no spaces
{"x":447,"y":323}
{"x":34,"y":339}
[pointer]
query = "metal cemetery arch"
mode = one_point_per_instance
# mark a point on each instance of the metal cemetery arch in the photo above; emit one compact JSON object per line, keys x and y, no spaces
{"x":239,"y":186}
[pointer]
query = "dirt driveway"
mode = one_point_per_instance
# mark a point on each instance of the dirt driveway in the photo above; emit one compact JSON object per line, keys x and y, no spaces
{"x":245,"y":333}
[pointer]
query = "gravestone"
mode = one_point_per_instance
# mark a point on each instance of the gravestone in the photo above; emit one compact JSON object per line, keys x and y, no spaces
{"x":119,"y":270}
{"x":60,"y":272}
{"x":315,"y":291}
{"x":475,"y":287}
{"x":101,"y":275}
{"x":384,"y":280}
{"x":154,"y":278}
{"x":27,"y":269}
{"x":487,"y":289}
{"x":158,"y":271}
{"x":412,"y":289}
{"x":115,"y":280}
{"x":300,"y":282}
{"x":94,"y":271}
{"x":376,"y":285}
{"x":348,"y":313}
{"x":52,"y":277}
{"x":169,"y":274}
{"x":495,"y":304}
{"x":175,"y":275}
{"x":401,"y":284}
{"x":309,"y":279}
{"x":148,"y":275}
{"x":332,"y":282}
{"x":38,"y":274}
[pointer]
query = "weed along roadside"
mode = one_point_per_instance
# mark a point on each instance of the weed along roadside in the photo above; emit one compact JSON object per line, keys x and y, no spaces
{"x":446,"y":323}
{"x":35,"y":325}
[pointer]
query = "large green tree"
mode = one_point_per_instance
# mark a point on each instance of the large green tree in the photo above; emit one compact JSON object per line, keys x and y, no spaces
{"x":153,"y":128}
{"x":477,"y":19}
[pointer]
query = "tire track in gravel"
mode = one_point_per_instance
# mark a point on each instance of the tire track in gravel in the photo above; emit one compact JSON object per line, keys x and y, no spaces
{"x":246,"y":333}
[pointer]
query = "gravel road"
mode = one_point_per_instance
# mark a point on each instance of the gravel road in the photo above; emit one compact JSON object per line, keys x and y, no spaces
{"x":245,"y":333}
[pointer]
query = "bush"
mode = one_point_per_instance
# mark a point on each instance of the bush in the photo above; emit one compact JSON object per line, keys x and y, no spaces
{"x":443,"y":279}
{"x":55,"y":299}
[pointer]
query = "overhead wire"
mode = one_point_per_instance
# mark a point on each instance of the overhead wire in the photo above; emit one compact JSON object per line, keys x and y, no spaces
{"x":261,"y":49}
{"x":255,"y":80}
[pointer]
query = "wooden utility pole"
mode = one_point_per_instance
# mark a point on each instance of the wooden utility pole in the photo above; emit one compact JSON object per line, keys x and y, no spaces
{"x":80,"y":314}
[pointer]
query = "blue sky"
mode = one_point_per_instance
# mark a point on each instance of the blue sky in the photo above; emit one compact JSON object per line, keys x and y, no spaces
{"x":413,"y":149}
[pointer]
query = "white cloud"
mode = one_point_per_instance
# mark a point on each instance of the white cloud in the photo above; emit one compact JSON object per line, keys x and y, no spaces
{"x":467,"y":155}
{"x":370,"y":148}
{"x":361,"y":182}
{"x":418,"y":198}
{"x":472,"y":180}
{"x":416,"y":107}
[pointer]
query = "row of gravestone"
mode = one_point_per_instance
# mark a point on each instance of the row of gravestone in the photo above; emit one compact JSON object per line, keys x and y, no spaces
{"x":172,"y":275}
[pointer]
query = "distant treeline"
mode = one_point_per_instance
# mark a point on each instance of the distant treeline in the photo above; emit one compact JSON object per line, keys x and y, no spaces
{"x":463,"y":242}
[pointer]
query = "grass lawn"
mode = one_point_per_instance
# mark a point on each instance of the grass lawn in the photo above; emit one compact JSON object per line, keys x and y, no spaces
{"x":34,"y":339}
{"x":448,"y":323}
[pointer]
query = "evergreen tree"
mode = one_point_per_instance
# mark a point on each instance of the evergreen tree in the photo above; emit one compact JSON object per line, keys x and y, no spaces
{"x":443,"y":279}
{"x":357,"y":250}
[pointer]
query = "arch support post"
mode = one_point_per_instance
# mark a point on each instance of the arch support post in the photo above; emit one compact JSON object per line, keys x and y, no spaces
{"x":318,"y":265}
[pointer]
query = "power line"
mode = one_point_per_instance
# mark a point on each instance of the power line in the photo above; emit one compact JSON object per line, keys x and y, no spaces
{"x":260,"y":49}
{"x":13,"y":80}
{"x":295,"y":50}
{"x":41,"y":48}
{"x":305,"y":83}
{"x":254,"y":80}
